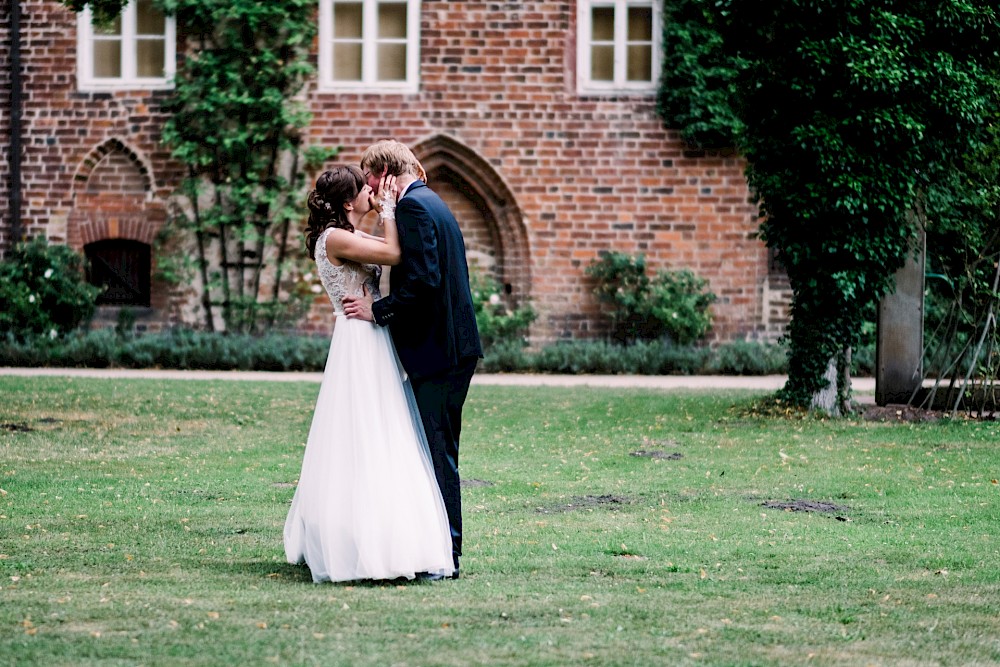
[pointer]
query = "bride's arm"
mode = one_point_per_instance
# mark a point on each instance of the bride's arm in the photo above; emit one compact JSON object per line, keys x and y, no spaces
{"x":365,"y":249}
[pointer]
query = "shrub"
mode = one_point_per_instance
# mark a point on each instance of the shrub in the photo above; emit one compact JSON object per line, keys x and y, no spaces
{"x":679,"y":302}
{"x":506,"y":357}
{"x":44,"y":291}
{"x":749,"y":358}
{"x":622,"y":285}
{"x":497,"y":322}
{"x":177,"y":348}
{"x":673,"y":305}
{"x":640,"y":358}
{"x":195,"y":350}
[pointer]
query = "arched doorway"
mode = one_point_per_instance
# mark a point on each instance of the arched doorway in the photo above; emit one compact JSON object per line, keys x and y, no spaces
{"x":495,"y":235}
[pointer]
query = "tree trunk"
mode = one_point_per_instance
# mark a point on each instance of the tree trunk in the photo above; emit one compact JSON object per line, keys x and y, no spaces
{"x":826,"y":399}
{"x":835,"y":398}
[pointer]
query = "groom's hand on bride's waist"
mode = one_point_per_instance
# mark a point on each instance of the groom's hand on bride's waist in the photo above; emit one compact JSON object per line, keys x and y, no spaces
{"x":359,"y":307}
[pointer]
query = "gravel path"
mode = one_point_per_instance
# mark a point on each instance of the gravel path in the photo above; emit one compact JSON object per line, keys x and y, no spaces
{"x":764,"y":382}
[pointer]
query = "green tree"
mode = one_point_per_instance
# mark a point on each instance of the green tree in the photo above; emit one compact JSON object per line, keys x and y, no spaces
{"x":237,"y":128}
{"x":846,"y":112}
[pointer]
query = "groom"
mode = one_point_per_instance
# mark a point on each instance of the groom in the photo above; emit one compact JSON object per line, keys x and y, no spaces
{"x":429,"y":314}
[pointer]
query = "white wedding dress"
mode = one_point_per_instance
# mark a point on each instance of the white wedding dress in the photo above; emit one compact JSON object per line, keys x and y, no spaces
{"x":367,"y":505}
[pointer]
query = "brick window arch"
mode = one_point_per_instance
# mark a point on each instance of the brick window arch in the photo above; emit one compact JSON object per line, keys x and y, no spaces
{"x":113,"y":198}
{"x":122,"y":268}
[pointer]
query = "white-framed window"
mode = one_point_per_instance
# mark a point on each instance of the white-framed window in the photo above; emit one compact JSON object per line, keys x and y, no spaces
{"x":369,"y":46}
{"x":619,"y":46}
{"x":138,"y":49}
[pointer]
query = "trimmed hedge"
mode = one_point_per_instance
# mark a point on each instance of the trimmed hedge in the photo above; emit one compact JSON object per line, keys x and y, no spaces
{"x":188,"y":350}
{"x":180,"y":349}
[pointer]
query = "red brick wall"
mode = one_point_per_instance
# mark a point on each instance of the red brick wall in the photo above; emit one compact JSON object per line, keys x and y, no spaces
{"x":93,"y":166}
{"x":587,"y":173}
{"x":542,"y":178}
{"x":5,"y":138}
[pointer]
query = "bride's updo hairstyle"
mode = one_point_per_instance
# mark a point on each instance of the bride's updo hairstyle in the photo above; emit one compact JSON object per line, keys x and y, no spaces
{"x":334,"y":188}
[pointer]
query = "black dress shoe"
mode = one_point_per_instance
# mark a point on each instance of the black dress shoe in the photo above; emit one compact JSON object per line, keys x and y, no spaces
{"x":435,"y":576}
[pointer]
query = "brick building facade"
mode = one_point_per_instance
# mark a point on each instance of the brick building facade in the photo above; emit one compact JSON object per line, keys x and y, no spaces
{"x":542,"y":174}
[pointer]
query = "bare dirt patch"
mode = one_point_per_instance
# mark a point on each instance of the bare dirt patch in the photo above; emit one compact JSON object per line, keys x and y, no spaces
{"x":899,"y":413}
{"x":657,"y":454}
{"x":474,"y":483}
{"x":16,"y":427}
{"x":586,"y":503}
{"x":809,"y":506}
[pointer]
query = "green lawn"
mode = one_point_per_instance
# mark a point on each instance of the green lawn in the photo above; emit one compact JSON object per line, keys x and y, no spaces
{"x":140,"y":523}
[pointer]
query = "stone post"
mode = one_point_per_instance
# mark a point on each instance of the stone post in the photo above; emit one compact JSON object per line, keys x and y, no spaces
{"x":899,"y":345}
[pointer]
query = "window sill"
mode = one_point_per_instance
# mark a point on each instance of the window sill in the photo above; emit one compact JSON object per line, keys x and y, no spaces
{"x":123,"y":86}
{"x":368,"y":89}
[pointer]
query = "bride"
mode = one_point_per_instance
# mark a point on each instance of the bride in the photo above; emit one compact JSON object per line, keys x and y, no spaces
{"x":367,"y":505}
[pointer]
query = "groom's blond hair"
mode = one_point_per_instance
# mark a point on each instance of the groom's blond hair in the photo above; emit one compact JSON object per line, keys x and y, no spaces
{"x":394,"y":157}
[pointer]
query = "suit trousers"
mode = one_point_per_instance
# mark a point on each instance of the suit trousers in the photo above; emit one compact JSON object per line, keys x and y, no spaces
{"x":440,"y":399}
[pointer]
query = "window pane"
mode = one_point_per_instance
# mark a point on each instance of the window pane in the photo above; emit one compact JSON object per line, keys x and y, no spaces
{"x":107,"y":58}
{"x":640,"y":63}
{"x":602,"y":21}
{"x":602,"y":63}
{"x":640,"y":24}
{"x":392,"y":20}
{"x":347,"y":20}
{"x":149,"y":20}
{"x":114,"y":29}
{"x":150,"y":57}
{"x":392,"y":62}
{"x":347,"y":62}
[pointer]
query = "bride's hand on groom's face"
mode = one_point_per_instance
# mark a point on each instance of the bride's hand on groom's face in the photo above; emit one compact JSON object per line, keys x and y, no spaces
{"x":387,"y":187}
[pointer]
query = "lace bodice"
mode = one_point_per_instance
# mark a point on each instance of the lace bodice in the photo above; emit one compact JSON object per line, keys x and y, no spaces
{"x":346,"y":279}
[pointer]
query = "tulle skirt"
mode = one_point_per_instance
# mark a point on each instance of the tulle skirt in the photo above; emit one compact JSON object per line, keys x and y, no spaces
{"x":367,"y":505}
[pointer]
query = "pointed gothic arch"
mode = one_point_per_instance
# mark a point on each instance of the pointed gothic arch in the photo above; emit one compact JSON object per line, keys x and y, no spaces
{"x":115,"y":148}
{"x":466,"y":180}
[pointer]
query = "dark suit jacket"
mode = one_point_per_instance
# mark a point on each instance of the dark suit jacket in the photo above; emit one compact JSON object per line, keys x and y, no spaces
{"x":429,"y":307}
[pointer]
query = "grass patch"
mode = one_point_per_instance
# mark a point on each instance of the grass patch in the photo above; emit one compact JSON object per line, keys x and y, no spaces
{"x":140,"y":523}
